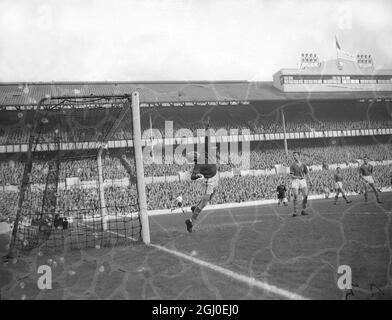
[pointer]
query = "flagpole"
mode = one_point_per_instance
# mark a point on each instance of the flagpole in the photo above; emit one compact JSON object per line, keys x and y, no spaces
{"x":337,"y":53}
{"x":151,"y":139}
{"x":152,"y":147}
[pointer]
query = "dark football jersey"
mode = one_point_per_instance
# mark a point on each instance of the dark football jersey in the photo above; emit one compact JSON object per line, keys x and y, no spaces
{"x":281,"y":189}
{"x":338,"y":177}
{"x":207,"y":163}
{"x":298,"y":170}
{"x":207,"y":170}
{"x":366,"y":169}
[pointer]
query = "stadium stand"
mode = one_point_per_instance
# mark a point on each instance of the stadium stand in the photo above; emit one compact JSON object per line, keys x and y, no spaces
{"x":161,"y":195}
{"x":261,"y":114}
{"x":266,"y":156}
{"x":82,"y":125}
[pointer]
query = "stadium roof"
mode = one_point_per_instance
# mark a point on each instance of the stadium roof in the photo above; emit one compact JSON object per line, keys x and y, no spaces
{"x":18,"y":94}
{"x":330,"y":67}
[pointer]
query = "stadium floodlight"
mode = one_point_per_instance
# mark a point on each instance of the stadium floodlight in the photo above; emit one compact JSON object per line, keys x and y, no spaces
{"x":364,"y":59}
{"x":309,"y":60}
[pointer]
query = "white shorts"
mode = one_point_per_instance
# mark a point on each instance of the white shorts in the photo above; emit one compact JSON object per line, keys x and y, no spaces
{"x":211,"y":184}
{"x":339,"y":185}
{"x":298,"y":184}
{"x":369,"y":179}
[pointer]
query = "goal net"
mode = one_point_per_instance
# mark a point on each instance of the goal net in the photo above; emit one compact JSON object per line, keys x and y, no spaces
{"x":82,"y":183}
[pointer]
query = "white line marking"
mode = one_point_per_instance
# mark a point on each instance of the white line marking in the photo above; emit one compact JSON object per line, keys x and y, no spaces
{"x":233,"y":275}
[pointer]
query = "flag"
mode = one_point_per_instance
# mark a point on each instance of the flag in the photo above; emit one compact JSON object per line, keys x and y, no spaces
{"x":340,"y":54}
{"x":337,"y":43}
{"x":346,"y":55}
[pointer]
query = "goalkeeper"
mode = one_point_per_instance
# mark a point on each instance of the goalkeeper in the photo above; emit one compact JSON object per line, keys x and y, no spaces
{"x":205,"y":168}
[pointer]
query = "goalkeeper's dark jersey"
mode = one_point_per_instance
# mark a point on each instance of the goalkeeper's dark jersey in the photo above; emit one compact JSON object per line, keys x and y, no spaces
{"x":207,"y":167}
{"x":207,"y":170}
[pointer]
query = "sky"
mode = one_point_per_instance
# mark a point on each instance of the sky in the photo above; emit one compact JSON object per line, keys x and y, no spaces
{"x":157,"y":40}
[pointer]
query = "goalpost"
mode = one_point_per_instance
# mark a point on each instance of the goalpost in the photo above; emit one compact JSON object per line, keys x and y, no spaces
{"x":51,"y":224}
{"x":137,"y":139}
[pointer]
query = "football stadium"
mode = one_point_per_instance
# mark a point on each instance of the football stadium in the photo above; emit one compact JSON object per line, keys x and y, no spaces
{"x":96,"y":184}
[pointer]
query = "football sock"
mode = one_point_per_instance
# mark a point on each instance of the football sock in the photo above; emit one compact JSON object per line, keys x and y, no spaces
{"x":196,"y":213}
{"x":304,"y":202}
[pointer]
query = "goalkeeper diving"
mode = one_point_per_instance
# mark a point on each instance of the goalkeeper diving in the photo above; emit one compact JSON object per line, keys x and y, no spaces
{"x":204,"y":168}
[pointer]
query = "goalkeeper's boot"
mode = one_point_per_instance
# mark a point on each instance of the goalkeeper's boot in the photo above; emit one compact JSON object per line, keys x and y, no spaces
{"x":189,"y":225}
{"x":295,"y":214}
{"x":348,"y":201}
{"x":378,"y":200}
{"x":303,"y":213}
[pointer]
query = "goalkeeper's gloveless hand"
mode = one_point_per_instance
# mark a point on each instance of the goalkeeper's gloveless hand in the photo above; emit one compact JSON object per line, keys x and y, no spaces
{"x":199,"y":176}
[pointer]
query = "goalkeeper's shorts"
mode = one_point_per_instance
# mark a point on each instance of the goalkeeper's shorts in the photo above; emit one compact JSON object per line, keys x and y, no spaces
{"x":368,"y":179}
{"x":211,"y":184}
{"x":298,"y":184}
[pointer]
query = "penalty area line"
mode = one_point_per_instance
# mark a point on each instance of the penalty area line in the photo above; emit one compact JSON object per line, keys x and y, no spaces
{"x":233,"y":275}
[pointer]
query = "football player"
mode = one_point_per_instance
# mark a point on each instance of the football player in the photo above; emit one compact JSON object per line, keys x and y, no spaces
{"x":299,"y":172}
{"x":338,"y":178}
{"x":205,"y":167}
{"x":366,"y":176}
{"x":178,"y":202}
{"x":281,"y":193}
